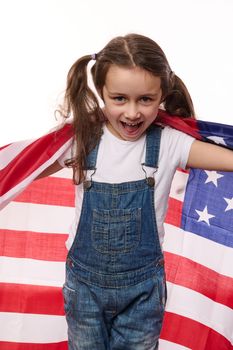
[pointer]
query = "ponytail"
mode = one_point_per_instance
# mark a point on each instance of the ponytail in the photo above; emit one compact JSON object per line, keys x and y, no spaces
{"x":81,"y":101}
{"x":178,"y":100}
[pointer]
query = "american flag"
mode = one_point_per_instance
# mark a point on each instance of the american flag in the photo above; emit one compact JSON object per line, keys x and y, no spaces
{"x":35,"y":224}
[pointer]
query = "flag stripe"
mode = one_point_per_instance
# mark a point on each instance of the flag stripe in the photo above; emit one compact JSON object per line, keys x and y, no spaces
{"x":187,"y":125}
{"x":30,"y":245}
{"x":36,"y":329}
{"x":213,"y":285}
{"x":43,"y":218}
{"x":42,"y":321}
{"x":9,"y":152}
{"x":2,"y":147}
{"x":28,"y":271}
{"x":42,"y":190}
{"x":180,"y":242}
{"x":33,"y":245}
{"x":167,"y":345}
{"x":49,"y":218}
{"x":188,"y":303}
{"x":32,"y":157}
{"x":15,"y":189}
{"x":26,"y":298}
{"x":178,"y":186}
{"x":64,"y":173}
{"x":33,"y":346}
{"x":174,"y":212}
{"x":38,"y":192}
{"x":192,"y":334}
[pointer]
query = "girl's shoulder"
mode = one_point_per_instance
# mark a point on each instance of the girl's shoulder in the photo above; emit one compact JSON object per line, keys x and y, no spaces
{"x":175,"y":146}
{"x":172,"y":134}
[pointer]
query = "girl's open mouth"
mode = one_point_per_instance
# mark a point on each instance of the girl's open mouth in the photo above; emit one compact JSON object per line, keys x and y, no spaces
{"x":131,"y":127}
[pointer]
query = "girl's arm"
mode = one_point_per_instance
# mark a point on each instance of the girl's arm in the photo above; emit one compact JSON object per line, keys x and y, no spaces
{"x":53,"y":168}
{"x":207,"y":156}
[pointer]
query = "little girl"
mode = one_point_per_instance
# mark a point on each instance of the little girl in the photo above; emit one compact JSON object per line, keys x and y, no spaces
{"x":123,"y":166}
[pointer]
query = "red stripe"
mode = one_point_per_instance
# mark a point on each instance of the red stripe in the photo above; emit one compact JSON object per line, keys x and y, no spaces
{"x":2,"y":147}
{"x":27,"y":298}
{"x":180,"y":170}
{"x":203,"y":280}
{"x":33,"y":245}
{"x":192,"y":334}
{"x":51,"y":247}
{"x":32,"y":157}
{"x":186,"y":125}
{"x":174,"y":212}
{"x":49,"y":190}
{"x":189,"y":274}
{"x":27,"y":346}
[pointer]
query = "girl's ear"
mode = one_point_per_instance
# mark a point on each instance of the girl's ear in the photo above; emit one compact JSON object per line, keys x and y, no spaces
{"x":161,"y":105}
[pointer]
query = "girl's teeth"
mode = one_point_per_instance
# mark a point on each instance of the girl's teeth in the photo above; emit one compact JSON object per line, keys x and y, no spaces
{"x":131,"y":124}
{"x":131,"y":127}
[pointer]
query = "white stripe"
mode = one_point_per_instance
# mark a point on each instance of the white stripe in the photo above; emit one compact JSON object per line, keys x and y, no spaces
{"x":28,"y":271}
{"x":188,"y":303}
{"x":179,"y":185}
{"x":65,"y":173}
{"x":167,"y":345}
{"x":8,"y":196}
{"x":36,"y":217}
{"x":201,"y":250}
{"x":30,"y":328}
{"x":8,"y":153}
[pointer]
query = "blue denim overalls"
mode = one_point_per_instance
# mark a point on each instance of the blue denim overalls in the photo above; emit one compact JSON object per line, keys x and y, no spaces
{"x":115,"y":290}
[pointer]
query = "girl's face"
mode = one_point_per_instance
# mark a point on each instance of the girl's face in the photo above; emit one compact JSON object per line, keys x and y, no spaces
{"x":132,"y":97}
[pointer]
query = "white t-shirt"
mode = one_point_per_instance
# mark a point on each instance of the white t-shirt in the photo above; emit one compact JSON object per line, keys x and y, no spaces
{"x":120,"y":161}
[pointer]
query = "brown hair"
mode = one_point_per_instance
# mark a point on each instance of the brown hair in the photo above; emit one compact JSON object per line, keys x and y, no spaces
{"x":126,"y":51}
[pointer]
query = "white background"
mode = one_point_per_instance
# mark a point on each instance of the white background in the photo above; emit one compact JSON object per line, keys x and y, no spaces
{"x":40,"y":40}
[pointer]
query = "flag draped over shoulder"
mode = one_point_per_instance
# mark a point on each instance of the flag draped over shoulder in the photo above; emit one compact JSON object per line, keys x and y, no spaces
{"x":34,"y":226}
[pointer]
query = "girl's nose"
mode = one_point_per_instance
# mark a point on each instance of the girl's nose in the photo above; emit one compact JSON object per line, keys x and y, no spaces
{"x":132,"y":112}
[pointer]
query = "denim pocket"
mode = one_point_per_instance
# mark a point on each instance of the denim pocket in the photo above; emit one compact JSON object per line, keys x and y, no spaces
{"x":116,"y":230}
{"x":70,"y":302}
{"x":70,"y":289}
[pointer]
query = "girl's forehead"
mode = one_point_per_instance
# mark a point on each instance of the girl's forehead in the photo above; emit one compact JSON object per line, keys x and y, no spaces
{"x":126,"y":78}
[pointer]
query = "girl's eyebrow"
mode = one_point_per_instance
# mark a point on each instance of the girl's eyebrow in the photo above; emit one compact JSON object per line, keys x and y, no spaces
{"x":150,"y":94}
{"x":124,"y":94}
{"x":116,"y":93}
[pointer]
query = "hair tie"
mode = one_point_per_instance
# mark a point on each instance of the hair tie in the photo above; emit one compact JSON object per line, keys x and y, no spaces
{"x":94,"y":56}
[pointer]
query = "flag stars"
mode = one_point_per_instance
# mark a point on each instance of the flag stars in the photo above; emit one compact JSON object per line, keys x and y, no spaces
{"x":229,"y":203}
{"x":213,"y":176}
{"x":217,"y":139}
{"x":204,"y":215}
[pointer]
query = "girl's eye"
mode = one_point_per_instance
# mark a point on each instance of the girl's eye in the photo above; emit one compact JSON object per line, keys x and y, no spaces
{"x":146,"y":99}
{"x":119,"y":98}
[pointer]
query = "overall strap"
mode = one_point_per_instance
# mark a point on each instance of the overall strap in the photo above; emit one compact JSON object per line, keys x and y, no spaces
{"x":153,"y":137}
